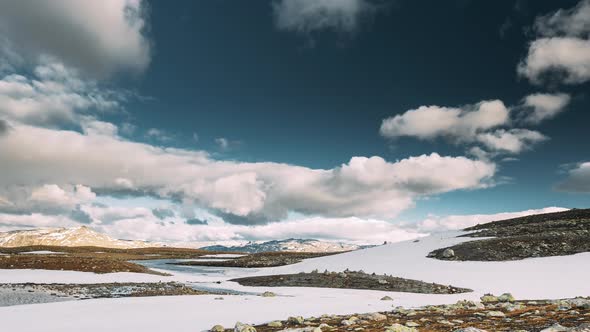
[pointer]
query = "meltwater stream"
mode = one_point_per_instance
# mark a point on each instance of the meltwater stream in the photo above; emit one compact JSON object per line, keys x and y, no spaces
{"x":203,"y":278}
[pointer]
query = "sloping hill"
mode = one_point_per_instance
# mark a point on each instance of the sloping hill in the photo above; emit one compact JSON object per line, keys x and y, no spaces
{"x":550,"y":234}
{"x":67,"y":237}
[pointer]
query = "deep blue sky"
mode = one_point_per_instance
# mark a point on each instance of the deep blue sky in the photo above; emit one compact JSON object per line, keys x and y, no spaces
{"x":221,"y":69}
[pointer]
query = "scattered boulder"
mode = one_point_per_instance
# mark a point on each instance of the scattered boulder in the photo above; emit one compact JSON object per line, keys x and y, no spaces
{"x":558,"y":328}
{"x":374,"y":317}
{"x":399,"y":328}
{"x":495,"y":314}
{"x":268,"y":294}
{"x":471,"y":305}
{"x":580,"y":303}
{"x":506,"y":297}
{"x":510,"y":307}
{"x":296,"y":320}
{"x":350,"y":321}
{"x":555,"y":328}
{"x":448,"y":253}
{"x":446,"y":322}
{"x":488,"y":298}
{"x":303,"y":329}
{"x":582,"y":328}
{"x":563,"y":306}
{"x":386,"y":298}
{"x":412,"y":324}
{"x":276,"y":323}
{"x":240,"y":327}
{"x":347,"y":322}
{"x":217,"y":328}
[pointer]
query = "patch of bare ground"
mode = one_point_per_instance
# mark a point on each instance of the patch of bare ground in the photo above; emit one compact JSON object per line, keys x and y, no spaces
{"x":529,"y":316}
{"x":550,"y":234}
{"x":91,"y":259}
{"x":264,"y":259}
{"x":350,"y":280}
{"x":105,"y":290}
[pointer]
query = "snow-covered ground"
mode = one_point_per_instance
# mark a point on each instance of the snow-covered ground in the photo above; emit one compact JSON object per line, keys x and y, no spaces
{"x":551,"y":277}
{"x":222,"y":256}
{"x":42,"y":252}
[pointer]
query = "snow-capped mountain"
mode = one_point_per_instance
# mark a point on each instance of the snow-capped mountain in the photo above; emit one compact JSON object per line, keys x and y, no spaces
{"x":67,"y":237}
{"x":291,"y":245}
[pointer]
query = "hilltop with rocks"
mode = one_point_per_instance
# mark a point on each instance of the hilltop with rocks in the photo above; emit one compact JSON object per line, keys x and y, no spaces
{"x":542,"y":235}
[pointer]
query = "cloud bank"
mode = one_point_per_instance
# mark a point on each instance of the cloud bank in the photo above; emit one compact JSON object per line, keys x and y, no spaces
{"x":139,"y":223}
{"x":264,"y":191}
{"x":97,"y":37}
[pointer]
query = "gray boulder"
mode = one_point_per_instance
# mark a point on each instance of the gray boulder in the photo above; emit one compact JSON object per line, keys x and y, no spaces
{"x":399,"y":328}
{"x":296,"y":320}
{"x":240,"y":327}
{"x":448,"y":253}
{"x":506,"y":297}
{"x":495,"y":314}
{"x":217,"y":328}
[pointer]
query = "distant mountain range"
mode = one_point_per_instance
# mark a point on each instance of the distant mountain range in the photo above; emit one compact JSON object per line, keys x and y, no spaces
{"x":291,"y":245}
{"x":85,"y":236}
{"x":67,"y":237}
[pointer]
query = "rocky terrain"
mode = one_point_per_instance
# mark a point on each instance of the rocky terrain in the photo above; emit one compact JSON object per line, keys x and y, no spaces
{"x":350,"y":280}
{"x":502,"y":313}
{"x":551,"y":234}
{"x":67,"y":237}
{"x":71,"y":263}
{"x":289,"y":245}
{"x":264,"y":259}
{"x":90,"y":259}
{"x":13,"y":294}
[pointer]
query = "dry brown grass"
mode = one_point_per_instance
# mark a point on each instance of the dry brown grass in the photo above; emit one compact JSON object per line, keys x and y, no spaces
{"x":91,"y":259}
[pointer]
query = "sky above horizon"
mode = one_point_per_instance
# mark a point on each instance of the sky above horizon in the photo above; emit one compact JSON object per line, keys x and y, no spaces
{"x":355,"y":120}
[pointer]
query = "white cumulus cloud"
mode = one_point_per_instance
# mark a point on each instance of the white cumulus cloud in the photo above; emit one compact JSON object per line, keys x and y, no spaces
{"x":461,"y":123}
{"x":545,"y":106}
{"x":511,"y":141}
{"x":562,"y":50}
{"x":568,"y":57}
{"x":486,"y":127}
